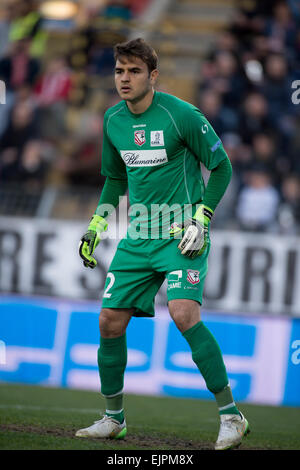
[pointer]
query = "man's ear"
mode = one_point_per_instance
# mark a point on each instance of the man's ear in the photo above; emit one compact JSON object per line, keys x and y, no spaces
{"x":154,"y":76}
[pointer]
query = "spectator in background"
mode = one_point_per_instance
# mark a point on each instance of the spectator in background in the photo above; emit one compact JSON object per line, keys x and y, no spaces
{"x":79,"y":158}
{"x":254,"y":116}
{"x":102,"y":61}
{"x":138,"y":6}
{"x":224,"y":216}
{"x":26,"y":23}
{"x":264,"y":153}
{"x":281,"y":28}
{"x":54,"y":85}
{"x":79,"y":168}
{"x":223,"y":74}
{"x":5,"y":18}
{"x":229,"y":80}
{"x":294,"y":6}
{"x":241,"y":27}
{"x":17,"y":68}
{"x":21,"y":129}
{"x":277,"y":86}
{"x":52,"y":91}
{"x":296,"y":61}
{"x":227,"y":42}
{"x":33,"y":164}
{"x":260,"y":48}
{"x":222,"y":119}
{"x":240,"y":156}
{"x":289,"y":209}
{"x":232,"y":145}
{"x":277,"y":90}
{"x":24,"y":94}
{"x":258,"y":202}
{"x":118,"y":9}
{"x":222,"y":77}
{"x":256,"y":8}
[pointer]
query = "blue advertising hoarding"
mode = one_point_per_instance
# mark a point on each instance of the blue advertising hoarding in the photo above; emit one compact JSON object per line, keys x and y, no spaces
{"x":52,"y":342}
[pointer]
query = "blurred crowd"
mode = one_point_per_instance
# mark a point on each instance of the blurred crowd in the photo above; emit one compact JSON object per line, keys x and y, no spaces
{"x":248,"y":91}
{"x":57,"y":72}
{"x":57,"y":91}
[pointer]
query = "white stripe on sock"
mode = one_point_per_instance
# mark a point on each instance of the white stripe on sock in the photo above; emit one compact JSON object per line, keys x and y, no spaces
{"x":114,"y":395}
{"x":114,"y":412}
{"x":227,"y":406}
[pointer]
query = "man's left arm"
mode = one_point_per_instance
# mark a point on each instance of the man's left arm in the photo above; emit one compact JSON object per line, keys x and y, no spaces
{"x":195,"y":232}
{"x":217,"y":184}
{"x":207,"y":147}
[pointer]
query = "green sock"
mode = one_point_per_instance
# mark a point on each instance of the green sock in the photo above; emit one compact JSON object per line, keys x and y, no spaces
{"x":226,"y":402}
{"x":112,"y":360}
{"x":114,"y":406}
{"x":207,"y":356}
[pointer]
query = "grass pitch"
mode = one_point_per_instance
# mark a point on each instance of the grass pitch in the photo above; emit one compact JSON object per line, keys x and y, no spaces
{"x":35,"y":418}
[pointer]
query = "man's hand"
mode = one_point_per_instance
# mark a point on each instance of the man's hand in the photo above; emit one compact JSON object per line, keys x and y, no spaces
{"x":195,"y":231}
{"x":91,"y":239}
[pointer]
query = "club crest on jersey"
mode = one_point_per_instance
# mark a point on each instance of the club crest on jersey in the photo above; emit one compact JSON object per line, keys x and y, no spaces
{"x":139,"y":137}
{"x":193,"y":276}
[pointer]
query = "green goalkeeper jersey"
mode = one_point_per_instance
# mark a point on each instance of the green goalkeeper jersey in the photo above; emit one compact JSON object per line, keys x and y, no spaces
{"x":159,"y":152}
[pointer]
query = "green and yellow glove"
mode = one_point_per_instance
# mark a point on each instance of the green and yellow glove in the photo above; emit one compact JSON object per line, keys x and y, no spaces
{"x":194,"y":232}
{"x":91,"y":239}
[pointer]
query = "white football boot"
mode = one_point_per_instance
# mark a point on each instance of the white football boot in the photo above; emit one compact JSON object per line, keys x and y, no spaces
{"x":107,"y":427}
{"x":232,"y":430}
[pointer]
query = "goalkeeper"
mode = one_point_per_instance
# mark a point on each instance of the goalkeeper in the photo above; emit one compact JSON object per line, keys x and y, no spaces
{"x":153,"y":144}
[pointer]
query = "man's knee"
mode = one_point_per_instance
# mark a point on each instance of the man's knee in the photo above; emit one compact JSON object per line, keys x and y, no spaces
{"x":185,"y":313}
{"x":113,"y":322}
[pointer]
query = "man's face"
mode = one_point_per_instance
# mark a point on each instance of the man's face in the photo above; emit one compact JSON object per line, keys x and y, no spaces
{"x":132,"y":78}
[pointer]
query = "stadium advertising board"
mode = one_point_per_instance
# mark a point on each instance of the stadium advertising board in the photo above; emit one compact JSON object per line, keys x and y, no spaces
{"x":247,"y":272}
{"x":56,"y":342}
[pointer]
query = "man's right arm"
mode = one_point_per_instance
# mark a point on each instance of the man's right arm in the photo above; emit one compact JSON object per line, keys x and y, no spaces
{"x":114,"y":168}
{"x":115,"y":186}
{"x":113,"y":189}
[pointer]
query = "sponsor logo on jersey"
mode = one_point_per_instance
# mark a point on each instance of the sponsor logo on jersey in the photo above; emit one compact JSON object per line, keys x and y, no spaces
{"x":174,"y":285}
{"x":133,"y":158}
{"x":175,"y":275}
{"x":193,"y":276}
{"x":174,"y":279}
{"x":139,"y":137}
{"x":157,"y":138}
{"x":204,"y":128}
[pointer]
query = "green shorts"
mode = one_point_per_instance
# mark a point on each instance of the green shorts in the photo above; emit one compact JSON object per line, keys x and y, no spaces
{"x":139,"y":268}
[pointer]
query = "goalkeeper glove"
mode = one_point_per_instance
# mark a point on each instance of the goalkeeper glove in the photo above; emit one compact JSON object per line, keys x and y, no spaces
{"x":195,"y":231}
{"x":91,"y":239}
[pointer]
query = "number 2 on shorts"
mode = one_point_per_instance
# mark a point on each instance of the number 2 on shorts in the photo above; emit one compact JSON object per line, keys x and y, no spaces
{"x":111,"y":278}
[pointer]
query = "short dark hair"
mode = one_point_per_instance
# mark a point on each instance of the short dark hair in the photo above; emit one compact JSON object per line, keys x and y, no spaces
{"x":137,"y":48}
